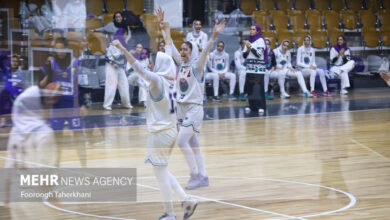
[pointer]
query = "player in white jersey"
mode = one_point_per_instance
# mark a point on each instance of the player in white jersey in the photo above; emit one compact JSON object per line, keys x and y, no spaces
{"x":240,"y":69}
{"x":283,"y":66}
{"x":218,"y":64}
{"x":306,"y":62}
{"x":197,"y":36}
{"x":161,"y":121}
{"x":190,"y":99}
{"x":341,"y":62}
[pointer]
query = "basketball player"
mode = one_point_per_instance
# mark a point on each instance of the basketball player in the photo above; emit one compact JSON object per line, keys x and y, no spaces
{"x":197,"y":36}
{"x":239,"y":63}
{"x":161,"y":121}
{"x":190,"y":98}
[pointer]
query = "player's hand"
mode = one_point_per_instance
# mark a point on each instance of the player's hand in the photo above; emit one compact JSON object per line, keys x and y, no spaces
{"x":219,"y":27}
{"x":313,"y":67}
{"x":222,"y":75}
{"x":116,"y":43}
{"x":248,"y":44}
{"x":385,"y":76}
{"x":160,"y":14}
{"x":342,"y":51}
{"x":292,"y":69}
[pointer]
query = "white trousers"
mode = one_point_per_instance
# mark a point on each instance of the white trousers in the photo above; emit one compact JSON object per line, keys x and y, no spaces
{"x":342,"y":73}
{"x":274,"y":75}
{"x":291,"y":74}
{"x":307,"y":72}
{"x":215,"y":77}
{"x":241,"y":80}
{"x":135,"y":80}
{"x":116,"y":78}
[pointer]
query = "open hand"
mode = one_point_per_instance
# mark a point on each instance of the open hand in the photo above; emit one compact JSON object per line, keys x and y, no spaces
{"x":160,"y":14}
{"x":116,"y":43}
{"x":219,"y":27}
{"x":385,"y":76}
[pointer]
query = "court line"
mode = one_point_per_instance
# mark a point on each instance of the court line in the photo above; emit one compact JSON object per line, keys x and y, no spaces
{"x":145,"y":186}
{"x":350,"y":196}
{"x":369,"y":149}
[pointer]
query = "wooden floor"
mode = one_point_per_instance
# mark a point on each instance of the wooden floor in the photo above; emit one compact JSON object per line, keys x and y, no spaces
{"x":317,"y":166}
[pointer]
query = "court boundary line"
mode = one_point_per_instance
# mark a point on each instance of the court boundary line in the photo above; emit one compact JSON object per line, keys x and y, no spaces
{"x":369,"y":149}
{"x":350,"y":196}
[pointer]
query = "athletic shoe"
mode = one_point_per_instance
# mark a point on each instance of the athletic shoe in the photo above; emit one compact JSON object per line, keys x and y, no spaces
{"x":343,"y":92}
{"x":307,"y":95}
{"x":197,"y":181}
{"x":216,"y":99}
{"x":128,"y":106}
{"x":165,"y":216}
{"x":108,"y":108}
{"x":189,"y":205}
{"x":327,"y":93}
{"x":232,"y":98}
{"x":261,"y":111}
{"x":284,"y":95}
{"x":269,"y":96}
{"x":242,"y":97}
{"x":315,"y":95}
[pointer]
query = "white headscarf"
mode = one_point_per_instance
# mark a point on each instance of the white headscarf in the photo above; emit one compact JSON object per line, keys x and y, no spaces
{"x":194,"y":33}
{"x":194,"y":53}
{"x":218,"y":54}
{"x":311,"y":42}
{"x":281,"y":45}
{"x":165,"y":66}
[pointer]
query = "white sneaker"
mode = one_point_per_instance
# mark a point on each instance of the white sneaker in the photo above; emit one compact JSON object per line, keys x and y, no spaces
{"x":261,"y":111}
{"x":343,"y":92}
{"x":108,"y":108}
{"x":189,"y":205}
{"x":165,"y":216}
{"x":284,"y":95}
{"x":128,"y":106}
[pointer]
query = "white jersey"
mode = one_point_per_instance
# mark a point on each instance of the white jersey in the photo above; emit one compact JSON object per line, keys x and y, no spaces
{"x":189,"y":86}
{"x":161,"y":111}
{"x":283,"y":60}
{"x":239,"y":61}
{"x":218,"y":62}
{"x":255,"y":61}
{"x":306,"y":57}
{"x":338,"y":61}
{"x":200,"y":41}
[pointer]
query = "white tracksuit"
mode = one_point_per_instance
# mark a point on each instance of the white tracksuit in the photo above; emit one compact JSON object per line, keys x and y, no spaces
{"x":135,"y":80}
{"x":240,"y":68}
{"x":218,"y":63}
{"x":116,"y":78}
{"x":341,"y":67}
{"x":283,"y":65}
{"x":305,"y":59}
{"x":273,"y":74}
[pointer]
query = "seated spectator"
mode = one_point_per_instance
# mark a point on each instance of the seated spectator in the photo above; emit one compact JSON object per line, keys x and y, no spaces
{"x":284,"y":67}
{"x":218,"y":64}
{"x":341,"y":62}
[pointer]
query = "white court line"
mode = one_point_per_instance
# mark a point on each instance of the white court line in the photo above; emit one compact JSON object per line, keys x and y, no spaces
{"x":351,"y":197}
{"x":145,"y":186}
{"x":369,"y":149}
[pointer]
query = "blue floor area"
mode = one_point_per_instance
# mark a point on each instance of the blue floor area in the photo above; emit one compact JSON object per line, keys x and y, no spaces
{"x":223,"y":113}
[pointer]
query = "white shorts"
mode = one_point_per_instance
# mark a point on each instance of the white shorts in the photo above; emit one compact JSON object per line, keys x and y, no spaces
{"x":190,"y":115}
{"x":159,"y":147}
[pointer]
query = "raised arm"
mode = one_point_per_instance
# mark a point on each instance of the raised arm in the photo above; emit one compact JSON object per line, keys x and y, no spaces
{"x":203,"y":56}
{"x":170,"y":48}
{"x":151,"y":77}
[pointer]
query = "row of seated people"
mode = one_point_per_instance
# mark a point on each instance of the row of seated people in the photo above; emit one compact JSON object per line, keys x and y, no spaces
{"x":249,"y":6}
{"x":325,"y":25}
{"x":280,"y":68}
